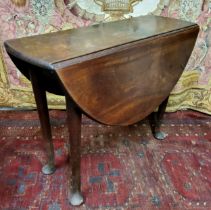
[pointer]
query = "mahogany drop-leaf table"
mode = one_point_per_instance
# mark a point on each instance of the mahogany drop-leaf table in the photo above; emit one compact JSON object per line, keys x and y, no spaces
{"x":116,"y":73}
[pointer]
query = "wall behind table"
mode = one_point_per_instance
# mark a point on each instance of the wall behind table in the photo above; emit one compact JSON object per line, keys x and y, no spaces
{"x":194,"y":87}
{"x":192,"y":91}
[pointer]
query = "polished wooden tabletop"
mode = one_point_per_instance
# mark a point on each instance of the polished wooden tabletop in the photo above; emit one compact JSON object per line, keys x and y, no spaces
{"x":60,"y":49}
{"x":117,"y":72}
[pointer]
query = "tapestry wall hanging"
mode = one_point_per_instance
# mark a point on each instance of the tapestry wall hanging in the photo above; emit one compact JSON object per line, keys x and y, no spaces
{"x":28,"y":17}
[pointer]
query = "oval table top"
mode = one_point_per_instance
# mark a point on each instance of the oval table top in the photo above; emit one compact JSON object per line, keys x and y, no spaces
{"x":116,"y":72}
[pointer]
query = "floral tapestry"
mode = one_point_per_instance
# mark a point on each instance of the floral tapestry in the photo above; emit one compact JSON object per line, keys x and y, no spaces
{"x":194,"y":87}
{"x":28,"y":17}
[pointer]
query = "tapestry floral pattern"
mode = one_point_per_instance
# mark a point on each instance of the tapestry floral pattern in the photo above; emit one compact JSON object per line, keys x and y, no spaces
{"x":194,"y":87}
{"x":42,"y":16}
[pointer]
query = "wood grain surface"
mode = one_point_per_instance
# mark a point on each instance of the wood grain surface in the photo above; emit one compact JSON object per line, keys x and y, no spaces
{"x":126,"y":86}
{"x":118,"y":72}
{"x":54,"y":50}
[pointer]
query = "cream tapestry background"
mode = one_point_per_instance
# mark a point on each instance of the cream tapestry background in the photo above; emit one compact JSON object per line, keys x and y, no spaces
{"x":26,"y":17}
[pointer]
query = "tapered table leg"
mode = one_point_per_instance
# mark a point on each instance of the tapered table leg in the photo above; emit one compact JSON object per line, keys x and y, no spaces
{"x":42,"y":108}
{"x":74,"y":127}
{"x":155,"y":121}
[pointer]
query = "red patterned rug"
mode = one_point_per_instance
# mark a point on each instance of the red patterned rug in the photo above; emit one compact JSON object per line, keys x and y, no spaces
{"x":123,"y":168}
